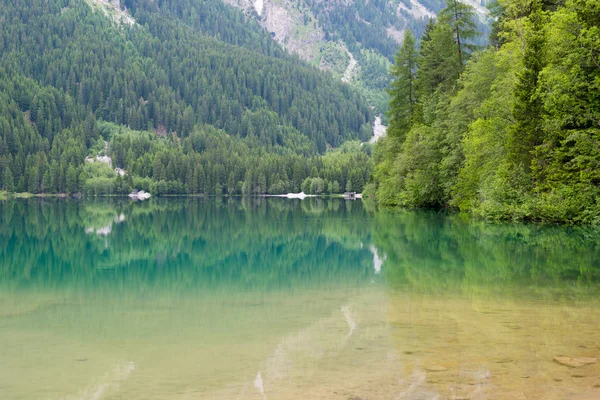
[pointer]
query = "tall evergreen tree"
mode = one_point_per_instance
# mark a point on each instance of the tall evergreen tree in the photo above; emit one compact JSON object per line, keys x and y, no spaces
{"x":438,"y":66}
{"x":8,"y":182}
{"x":460,"y":18}
{"x":71,"y":184}
{"x":527,"y":132}
{"x":403,"y":93}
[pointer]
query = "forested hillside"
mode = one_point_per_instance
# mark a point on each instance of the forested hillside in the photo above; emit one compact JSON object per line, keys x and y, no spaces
{"x":510,"y":132}
{"x":354,"y":39}
{"x":185,"y":96}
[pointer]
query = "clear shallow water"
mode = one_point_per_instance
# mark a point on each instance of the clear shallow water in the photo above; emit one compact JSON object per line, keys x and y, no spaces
{"x":282,"y":299}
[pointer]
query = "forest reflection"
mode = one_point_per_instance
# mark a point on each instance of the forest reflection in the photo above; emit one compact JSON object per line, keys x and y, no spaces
{"x":271,"y":243}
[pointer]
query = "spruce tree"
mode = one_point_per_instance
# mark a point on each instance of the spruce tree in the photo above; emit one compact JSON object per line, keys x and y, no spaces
{"x":438,"y":66}
{"x":403,"y":94}
{"x":527,"y":132}
{"x":71,"y":180}
{"x":460,"y":18}
{"x":9,"y":184}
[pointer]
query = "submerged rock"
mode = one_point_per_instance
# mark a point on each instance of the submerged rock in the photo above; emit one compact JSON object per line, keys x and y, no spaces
{"x":574,"y":362}
{"x":436,"y":368}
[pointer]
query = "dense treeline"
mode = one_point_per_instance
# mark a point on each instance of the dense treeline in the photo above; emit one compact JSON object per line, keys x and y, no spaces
{"x":363,"y":24}
{"x":511,"y":132}
{"x":207,"y":161}
{"x":368,"y":30}
{"x":211,"y":18}
{"x":183,"y":70}
{"x":212,"y":163}
{"x":43,"y":148}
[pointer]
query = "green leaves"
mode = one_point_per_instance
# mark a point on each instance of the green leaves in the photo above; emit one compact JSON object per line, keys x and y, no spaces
{"x":420,"y":158}
{"x":518,"y":135}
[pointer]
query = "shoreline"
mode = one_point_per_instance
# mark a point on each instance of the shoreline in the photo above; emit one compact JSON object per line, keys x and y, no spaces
{"x":301,"y":196}
{"x":6,"y":196}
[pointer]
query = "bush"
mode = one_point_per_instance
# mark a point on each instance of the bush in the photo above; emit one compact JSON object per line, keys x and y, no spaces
{"x":317,"y":186}
{"x":98,"y":186}
{"x":306,"y":185}
{"x":142,"y":184}
{"x":167,"y":187}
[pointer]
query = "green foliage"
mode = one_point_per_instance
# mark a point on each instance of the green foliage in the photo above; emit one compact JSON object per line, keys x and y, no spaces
{"x":360,"y":24}
{"x":526,"y":133}
{"x":210,"y":161}
{"x":192,"y":98}
{"x":439,"y":67}
{"x":98,"y":186}
{"x":8,"y":183}
{"x":566,"y":162}
{"x":133,"y":81}
{"x":516,"y":136}
{"x":409,"y":160}
{"x":403,"y":91}
{"x":334,"y":57}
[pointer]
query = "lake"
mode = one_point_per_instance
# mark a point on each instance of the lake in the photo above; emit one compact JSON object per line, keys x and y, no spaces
{"x":286,"y":299}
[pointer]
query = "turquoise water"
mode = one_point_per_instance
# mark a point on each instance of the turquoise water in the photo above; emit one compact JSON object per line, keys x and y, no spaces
{"x":288,"y":299}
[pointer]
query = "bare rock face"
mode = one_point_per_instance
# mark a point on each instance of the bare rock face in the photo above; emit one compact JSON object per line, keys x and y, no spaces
{"x":395,"y":34}
{"x":278,"y":21}
{"x":112,"y":9}
{"x":286,"y":24}
{"x":379,"y":130}
{"x":574,"y":362}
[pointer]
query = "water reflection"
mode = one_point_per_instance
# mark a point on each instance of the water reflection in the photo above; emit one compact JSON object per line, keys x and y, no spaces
{"x":106,"y":229}
{"x":183,"y":243}
{"x":286,"y":299}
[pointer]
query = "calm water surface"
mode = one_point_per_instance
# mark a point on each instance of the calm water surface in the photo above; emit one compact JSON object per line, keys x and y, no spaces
{"x":283,"y":299}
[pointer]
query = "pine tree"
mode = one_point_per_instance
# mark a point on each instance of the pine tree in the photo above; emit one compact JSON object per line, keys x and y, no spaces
{"x":527,"y":132}
{"x":403,"y":96}
{"x":438,"y":66}
{"x":460,"y":17}
{"x":9,"y":184}
{"x":32,"y":180}
{"x":71,"y":179}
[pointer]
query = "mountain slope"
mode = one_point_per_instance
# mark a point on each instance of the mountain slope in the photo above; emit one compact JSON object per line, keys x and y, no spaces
{"x":188,"y":72}
{"x":335,"y":33}
{"x":162,"y":66}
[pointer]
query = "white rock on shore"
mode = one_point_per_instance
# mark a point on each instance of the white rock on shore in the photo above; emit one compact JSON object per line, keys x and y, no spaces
{"x":300,"y":195}
{"x":141,"y":195}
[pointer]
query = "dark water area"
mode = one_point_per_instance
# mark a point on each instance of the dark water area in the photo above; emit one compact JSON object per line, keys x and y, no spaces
{"x":287,"y":299}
